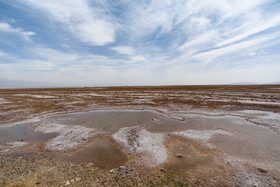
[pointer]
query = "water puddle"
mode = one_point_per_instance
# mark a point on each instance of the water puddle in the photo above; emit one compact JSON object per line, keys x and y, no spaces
{"x":22,"y":134}
{"x":232,"y":135}
{"x":111,"y":121}
{"x":255,"y":144}
{"x":102,"y":153}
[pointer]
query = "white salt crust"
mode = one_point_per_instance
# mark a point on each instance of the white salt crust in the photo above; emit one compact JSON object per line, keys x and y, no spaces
{"x":270,"y":119}
{"x":11,"y":146}
{"x":201,"y":135}
{"x":37,"y":96}
{"x":70,"y":137}
{"x":3,"y":101}
{"x":136,"y":140}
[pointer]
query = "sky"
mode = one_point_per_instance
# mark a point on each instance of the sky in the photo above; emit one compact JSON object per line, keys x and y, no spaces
{"x":53,"y":43}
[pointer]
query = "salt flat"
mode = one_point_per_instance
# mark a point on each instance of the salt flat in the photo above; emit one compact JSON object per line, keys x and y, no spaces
{"x":229,"y":134}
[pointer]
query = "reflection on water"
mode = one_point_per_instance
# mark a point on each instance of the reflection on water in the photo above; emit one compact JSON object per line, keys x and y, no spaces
{"x":111,"y":121}
{"x":22,"y":134}
{"x":252,"y":142}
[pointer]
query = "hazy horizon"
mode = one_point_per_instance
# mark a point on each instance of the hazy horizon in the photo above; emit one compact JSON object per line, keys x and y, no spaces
{"x":9,"y":84}
{"x":102,"y":43}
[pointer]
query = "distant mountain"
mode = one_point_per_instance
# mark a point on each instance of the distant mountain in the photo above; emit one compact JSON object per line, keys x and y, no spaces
{"x":273,"y":83}
{"x":253,"y":83}
{"x":244,"y":83}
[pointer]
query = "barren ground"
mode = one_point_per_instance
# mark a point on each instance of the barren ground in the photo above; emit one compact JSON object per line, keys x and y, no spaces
{"x":227,"y":135}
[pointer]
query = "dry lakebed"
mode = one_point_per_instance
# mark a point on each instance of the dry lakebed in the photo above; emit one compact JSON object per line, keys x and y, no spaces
{"x":141,"y":136}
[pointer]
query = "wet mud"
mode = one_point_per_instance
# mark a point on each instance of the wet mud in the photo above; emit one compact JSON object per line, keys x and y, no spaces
{"x":101,"y":152}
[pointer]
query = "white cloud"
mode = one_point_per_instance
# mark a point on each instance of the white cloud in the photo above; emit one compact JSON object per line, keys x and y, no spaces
{"x":88,"y":24}
{"x":37,"y":65}
{"x":208,"y":56}
{"x":131,"y":53}
{"x":252,"y":54}
{"x":124,"y":50}
{"x":5,"y":27}
{"x":144,"y":18}
{"x":20,"y":66}
{"x":236,"y":8}
{"x":159,"y":42}
{"x":201,"y":40}
{"x":204,"y":24}
{"x":147,"y":17}
{"x":138,"y":58}
{"x":52,"y":55}
{"x":251,"y":29}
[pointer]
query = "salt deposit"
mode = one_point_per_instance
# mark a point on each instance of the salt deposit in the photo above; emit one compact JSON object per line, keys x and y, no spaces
{"x":201,"y":135}
{"x":270,"y":119}
{"x":91,"y":94}
{"x":69,"y":137}
{"x":247,"y":178}
{"x":11,"y":146}
{"x":43,"y":96}
{"x":31,"y":120}
{"x":136,"y":140}
{"x":36,"y":96}
{"x":3,"y":101}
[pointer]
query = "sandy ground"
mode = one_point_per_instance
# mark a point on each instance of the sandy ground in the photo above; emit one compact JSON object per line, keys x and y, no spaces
{"x":231,"y":137}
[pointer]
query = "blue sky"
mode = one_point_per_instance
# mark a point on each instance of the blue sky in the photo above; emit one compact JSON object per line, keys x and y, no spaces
{"x":123,"y":42}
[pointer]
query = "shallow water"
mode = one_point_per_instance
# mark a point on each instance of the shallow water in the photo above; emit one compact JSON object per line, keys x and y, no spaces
{"x":255,"y":144}
{"x":248,"y":141}
{"x":101,"y":152}
{"x":22,"y":134}
{"x":111,"y":121}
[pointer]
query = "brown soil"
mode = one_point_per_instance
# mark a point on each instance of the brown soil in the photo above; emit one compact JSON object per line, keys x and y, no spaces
{"x":169,"y":97}
{"x":200,"y":165}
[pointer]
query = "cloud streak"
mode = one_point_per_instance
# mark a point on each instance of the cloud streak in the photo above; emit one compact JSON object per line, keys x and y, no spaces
{"x":215,"y":53}
{"x":124,"y":50}
{"x":88,"y":24}
{"x":140,"y":42}
{"x":7,"y":28}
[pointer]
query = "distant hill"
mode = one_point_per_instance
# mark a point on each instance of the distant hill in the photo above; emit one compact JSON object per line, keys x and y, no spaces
{"x":253,"y":83}
{"x":244,"y":83}
{"x":273,"y":83}
{"x":4,"y":83}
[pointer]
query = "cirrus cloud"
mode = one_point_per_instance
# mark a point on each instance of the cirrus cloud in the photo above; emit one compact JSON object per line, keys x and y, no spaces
{"x":88,"y":24}
{"x":140,"y":42}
